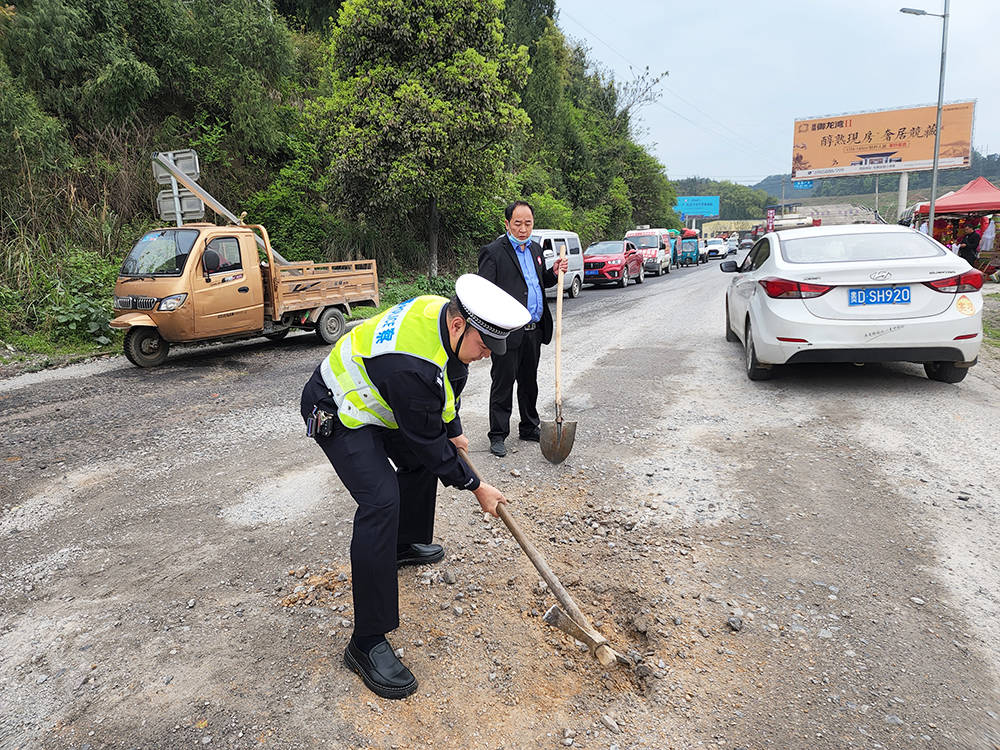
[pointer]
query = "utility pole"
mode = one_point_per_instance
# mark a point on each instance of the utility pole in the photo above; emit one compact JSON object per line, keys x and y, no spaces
{"x":904,"y":185}
{"x":937,"y":129}
{"x":940,"y":102}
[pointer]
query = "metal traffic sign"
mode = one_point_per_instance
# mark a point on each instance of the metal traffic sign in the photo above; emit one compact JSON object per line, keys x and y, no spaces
{"x":802,"y":184}
{"x":191,"y":206}
{"x":186,"y":160}
{"x":177,"y":204}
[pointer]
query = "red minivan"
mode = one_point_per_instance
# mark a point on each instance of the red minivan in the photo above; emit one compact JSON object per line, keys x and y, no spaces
{"x":612,"y":262}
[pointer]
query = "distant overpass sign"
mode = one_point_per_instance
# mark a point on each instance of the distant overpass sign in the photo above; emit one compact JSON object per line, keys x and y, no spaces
{"x":697,"y":205}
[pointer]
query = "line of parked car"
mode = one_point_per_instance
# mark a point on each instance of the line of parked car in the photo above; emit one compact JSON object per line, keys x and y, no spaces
{"x":617,"y":262}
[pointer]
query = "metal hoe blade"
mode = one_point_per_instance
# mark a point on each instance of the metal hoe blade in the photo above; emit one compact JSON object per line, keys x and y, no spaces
{"x":597,"y":644}
{"x":570,"y":618}
{"x":556,"y":440}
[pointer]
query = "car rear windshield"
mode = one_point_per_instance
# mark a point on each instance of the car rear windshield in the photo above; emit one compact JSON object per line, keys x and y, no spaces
{"x":860,"y":247}
{"x":160,"y":253}
{"x":644,"y":241}
{"x":606,"y":248}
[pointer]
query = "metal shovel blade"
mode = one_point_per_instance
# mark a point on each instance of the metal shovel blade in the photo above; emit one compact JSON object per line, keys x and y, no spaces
{"x":556,"y":440}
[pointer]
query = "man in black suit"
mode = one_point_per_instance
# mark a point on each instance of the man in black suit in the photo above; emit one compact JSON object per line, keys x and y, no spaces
{"x":515,"y":264}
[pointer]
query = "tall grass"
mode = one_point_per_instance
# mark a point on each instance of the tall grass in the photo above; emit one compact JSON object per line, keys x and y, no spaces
{"x":63,"y":235}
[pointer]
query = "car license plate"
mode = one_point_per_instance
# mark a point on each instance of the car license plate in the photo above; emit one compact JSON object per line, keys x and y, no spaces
{"x":591,"y":272}
{"x":879,"y":295}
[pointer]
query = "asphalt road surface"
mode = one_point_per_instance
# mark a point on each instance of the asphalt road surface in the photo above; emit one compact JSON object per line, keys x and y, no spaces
{"x":810,"y":561}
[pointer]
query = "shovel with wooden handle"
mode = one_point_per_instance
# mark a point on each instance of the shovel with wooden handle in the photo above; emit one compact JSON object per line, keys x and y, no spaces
{"x":571,"y":621}
{"x":556,"y":437}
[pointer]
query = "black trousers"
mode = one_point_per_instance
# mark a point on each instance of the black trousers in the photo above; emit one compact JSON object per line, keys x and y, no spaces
{"x":394,"y":507}
{"x":519,"y":364}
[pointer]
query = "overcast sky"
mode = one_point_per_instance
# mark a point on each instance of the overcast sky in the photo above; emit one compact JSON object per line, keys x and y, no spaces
{"x":741,"y":71}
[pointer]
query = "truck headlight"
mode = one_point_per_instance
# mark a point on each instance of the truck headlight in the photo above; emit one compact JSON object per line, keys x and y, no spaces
{"x":171,"y":303}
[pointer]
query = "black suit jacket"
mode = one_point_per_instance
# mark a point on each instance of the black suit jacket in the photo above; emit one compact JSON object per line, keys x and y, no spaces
{"x":498,"y":263}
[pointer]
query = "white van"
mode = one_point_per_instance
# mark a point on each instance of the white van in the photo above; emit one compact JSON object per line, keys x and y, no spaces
{"x":653,"y":244}
{"x":552,"y":241}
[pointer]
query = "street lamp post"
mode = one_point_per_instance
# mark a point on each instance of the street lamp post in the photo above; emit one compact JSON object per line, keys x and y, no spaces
{"x":937,"y":127}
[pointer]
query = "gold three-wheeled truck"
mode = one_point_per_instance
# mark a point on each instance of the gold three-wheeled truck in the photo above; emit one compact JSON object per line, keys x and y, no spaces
{"x":205,"y":282}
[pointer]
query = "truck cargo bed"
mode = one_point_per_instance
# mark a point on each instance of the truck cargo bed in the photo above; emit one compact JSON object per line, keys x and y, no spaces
{"x":305,"y":286}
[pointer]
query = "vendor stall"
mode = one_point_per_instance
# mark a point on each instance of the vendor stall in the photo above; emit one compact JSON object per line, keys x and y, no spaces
{"x":972,"y":205}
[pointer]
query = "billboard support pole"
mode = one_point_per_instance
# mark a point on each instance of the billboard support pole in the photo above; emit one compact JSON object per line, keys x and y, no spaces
{"x":937,"y":131}
{"x":904,"y":186}
{"x":876,"y":192}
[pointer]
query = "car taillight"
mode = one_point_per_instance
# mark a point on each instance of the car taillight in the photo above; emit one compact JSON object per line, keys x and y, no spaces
{"x":785,"y":289}
{"x":970,"y":281}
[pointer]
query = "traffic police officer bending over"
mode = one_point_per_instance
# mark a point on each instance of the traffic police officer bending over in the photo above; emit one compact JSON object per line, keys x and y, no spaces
{"x":390,"y":390}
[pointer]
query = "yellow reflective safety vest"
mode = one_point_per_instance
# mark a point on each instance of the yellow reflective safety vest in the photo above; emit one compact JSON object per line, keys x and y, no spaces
{"x":409,"y":328}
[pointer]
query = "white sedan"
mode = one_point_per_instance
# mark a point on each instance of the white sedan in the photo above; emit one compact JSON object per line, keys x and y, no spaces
{"x":716,"y":247}
{"x":855,"y":293}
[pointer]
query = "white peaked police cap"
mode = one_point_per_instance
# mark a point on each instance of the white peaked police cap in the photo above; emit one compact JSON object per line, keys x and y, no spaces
{"x":490,"y":310}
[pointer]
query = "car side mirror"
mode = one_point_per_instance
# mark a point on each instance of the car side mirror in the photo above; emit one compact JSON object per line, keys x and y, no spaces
{"x":728,"y":266}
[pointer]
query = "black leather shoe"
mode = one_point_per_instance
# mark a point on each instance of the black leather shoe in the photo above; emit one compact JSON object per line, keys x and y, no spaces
{"x":382,"y":671}
{"x":532,"y":436}
{"x":497,"y":448}
{"x":418,"y":554}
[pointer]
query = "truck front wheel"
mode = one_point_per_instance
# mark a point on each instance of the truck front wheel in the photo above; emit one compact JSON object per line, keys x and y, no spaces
{"x":331,"y":325}
{"x":145,"y":347}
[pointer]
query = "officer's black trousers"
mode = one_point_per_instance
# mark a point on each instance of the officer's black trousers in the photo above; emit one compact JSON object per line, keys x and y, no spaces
{"x":520,"y":364}
{"x":394,"y":507}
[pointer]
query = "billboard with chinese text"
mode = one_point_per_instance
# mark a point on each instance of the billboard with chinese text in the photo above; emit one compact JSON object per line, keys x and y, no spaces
{"x":895,"y":140}
{"x":697,"y":205}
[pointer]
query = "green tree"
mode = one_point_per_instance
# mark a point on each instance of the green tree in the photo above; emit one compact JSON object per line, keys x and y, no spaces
{"x":524,"y":21}
{"x":312,"y":15}
{"x":75,"y":56}
{"x":423,"y":108}
{"x":36,"y":141}
{"x":544,"y":94}
{"x":94,"y":63}
{"x":550,"y":211}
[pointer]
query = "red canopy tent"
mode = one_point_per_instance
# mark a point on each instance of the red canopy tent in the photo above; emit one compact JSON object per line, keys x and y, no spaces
{"x":978,"y":197}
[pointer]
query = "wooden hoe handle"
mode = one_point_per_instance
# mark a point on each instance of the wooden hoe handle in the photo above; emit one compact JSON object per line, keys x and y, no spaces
{"x":542,"y":566}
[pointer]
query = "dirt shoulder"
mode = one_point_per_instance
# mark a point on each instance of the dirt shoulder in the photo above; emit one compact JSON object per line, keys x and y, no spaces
{"x":989,"y":354}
